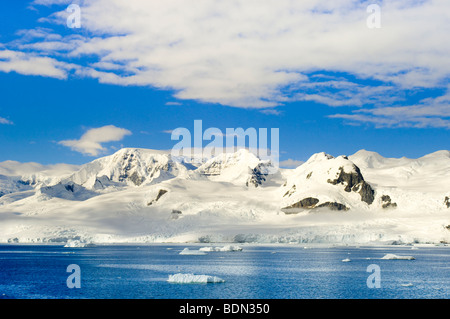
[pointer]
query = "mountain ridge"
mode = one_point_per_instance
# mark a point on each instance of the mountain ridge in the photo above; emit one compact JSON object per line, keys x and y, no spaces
{"x":144,"y":195}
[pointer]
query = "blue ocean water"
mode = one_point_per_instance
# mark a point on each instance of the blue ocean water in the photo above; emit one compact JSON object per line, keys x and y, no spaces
{"x":257,"y":272}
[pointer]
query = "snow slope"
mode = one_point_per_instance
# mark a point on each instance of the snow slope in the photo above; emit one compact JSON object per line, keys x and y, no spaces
{"x":138,"y":196}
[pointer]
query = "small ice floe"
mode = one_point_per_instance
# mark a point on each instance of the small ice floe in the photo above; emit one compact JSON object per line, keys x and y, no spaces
{"x":346,"y":260}
{"x":225,"y":248}
{"x":187,"y":251}
{"x":407,"y":285}
{"x":194,"y":279}
{"x":397,"y":257}
{"x":78,"y":244}
{"x":414,"y":248}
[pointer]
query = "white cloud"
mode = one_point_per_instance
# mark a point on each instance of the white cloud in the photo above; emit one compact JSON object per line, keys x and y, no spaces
{"x":291,"y":163}
{"x":91,"y":141}
{"x":5,"y":121}
{"x":31,"y":64}
{"x":245,"y":53}
{"x":430,"y":112}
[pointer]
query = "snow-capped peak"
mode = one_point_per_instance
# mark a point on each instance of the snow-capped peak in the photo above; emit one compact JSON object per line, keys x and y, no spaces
{"x":326,"y":180}
{"x":129,"y":166}
{"x":241,"y":167}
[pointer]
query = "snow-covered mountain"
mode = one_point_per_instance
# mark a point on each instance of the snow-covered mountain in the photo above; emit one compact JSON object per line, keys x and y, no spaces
{"x":16,"y":177}
{"x":128,"y":167}
{"x":242,"y":167}
{"x":138,"y":195}
{"x":326,"y":182}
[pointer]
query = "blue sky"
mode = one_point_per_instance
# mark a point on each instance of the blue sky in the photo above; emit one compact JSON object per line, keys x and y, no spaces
{"x":147,"y":77}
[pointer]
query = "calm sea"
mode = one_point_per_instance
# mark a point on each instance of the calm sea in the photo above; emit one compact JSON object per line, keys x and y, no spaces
{"x":256,"y":272}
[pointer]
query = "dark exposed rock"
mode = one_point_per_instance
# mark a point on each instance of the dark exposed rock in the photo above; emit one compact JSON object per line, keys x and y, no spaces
{"x":348,"y":179}
{"x":136,"y":179}
{"x":365,"y":191}
{"x":290,"y":192}
{"x":387,"y":202}
{"x":355,"y":182}
{"x":25,"y":183}
{"x":258,"y":175}
{"x":70,"y":187}
{"x":447,"y":201}
{"x":333,"y":206}
{"x":311,"y":203}
{"x":309,"y":175}
{"x":176,"y":213}
{"x":158,"y":196}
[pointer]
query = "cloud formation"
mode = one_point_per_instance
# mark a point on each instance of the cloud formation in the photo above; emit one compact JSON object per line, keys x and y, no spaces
{"x":291,"y":163}
{"x":91,"y":141}
{"x":249,"y":53}
{"x":5,"y":121}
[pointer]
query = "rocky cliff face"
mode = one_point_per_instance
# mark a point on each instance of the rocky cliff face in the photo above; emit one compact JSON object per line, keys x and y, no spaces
{"x":312,"y":203}
{"x":354,"y":182}
{"x":323,"y":181}
{"x":132,"y":167}
{"x":241,"y":168}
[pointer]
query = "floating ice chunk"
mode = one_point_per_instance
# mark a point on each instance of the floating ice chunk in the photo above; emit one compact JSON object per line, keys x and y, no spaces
{"x":78,"y":244}
{"x":397,"y":257}
{"x":225,"y":248}
{"x":194,"y":279}
{"x":346,"y":260}
{"x":187,"y":251}
{"x":407,"y":285}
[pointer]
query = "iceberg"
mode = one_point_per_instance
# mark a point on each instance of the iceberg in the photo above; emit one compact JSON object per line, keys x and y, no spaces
{"x":397,"y":257}
{"x":78,"y":244}
{"x":193,"y":279}
{"x":187,"y":251}
{"x":225,"y":248}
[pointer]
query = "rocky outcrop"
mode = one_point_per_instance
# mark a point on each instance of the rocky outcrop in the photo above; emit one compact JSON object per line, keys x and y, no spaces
{"x":333,"y":206}
{"x":311,"y":203}
{"x":386,"y":202}
{"x":447,"y":201}
{"x":306,"y":203}
{"x":161,"y":192}
{"x":136,"y":179}
{"x":290,"y":192}
{"x":354,"y":182}
{"x":176,"y":214}
{"x":258,"y":175}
